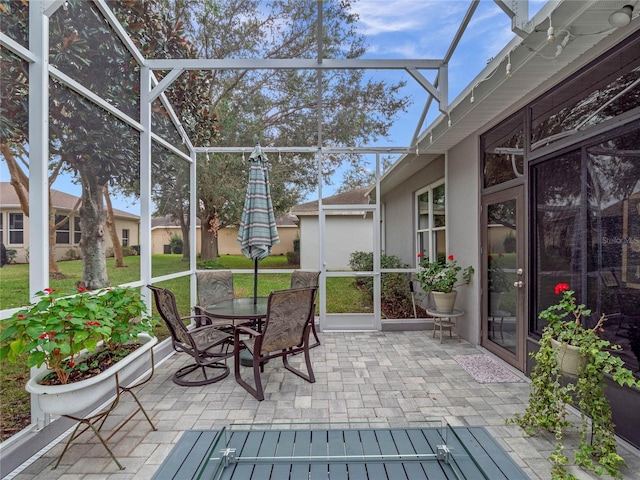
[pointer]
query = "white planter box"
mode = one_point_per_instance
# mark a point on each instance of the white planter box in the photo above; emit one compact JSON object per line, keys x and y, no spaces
{"x":75,"y":397}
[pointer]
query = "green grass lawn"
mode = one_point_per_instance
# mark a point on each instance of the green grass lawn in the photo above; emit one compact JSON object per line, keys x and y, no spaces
{"x":342,"y":296}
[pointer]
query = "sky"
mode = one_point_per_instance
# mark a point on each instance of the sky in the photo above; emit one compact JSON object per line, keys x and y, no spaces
{"x":409,"y":29}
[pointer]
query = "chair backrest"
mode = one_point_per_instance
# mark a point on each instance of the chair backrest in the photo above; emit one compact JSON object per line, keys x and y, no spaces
{"x":168,"y":310}
{"x":301,"y":279}
{"x":288,"y":314}
{"x":214,"y":286}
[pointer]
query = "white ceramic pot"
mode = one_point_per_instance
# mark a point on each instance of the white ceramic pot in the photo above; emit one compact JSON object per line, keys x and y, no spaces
{"x":75,"y":397}
{"x":568,"y":357}
{"x":444,"y":302}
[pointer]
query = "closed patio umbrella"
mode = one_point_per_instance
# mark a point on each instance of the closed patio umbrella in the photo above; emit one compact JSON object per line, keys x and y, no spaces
{"x":257,"y":232}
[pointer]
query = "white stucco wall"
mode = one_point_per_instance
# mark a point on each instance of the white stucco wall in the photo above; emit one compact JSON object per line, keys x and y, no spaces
{"x":344,"y":234}
{"x":464,"y":228}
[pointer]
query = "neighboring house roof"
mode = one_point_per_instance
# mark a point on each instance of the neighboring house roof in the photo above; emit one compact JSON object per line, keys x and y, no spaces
{"x":286,"y":220}
{"x":357,"y":196}
{"x":60,"y":200}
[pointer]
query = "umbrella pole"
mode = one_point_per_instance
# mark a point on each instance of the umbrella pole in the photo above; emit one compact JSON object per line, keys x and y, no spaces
{"x":255,"y":281}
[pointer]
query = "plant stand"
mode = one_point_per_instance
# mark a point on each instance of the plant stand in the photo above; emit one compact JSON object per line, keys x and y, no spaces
{"x":445,"y":320}
{"x":95,"y":422}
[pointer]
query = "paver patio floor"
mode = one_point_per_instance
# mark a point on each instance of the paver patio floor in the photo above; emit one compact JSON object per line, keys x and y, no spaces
{"x":391,"y":377}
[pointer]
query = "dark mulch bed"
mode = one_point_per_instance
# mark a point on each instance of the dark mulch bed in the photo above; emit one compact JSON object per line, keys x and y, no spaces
{"x":93,"y":365}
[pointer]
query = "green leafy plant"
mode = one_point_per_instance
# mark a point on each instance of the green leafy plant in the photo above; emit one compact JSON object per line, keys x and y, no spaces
{"x":551,"y":391}
{"x":442,"y":275}
{"x":55,"y":329}
{"x":497,"y":278}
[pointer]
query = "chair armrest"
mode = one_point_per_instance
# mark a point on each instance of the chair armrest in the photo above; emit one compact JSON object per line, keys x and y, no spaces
{"x":200,"y":320}
{"x":244,"y":329}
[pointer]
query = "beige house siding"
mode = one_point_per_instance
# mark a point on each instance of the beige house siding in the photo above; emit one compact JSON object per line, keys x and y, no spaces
{"x":63,"y":203}
{"x":227,"y":243}
{"x":62,"y":249}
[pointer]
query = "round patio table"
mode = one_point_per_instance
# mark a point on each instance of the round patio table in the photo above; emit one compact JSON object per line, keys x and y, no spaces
{"x":241,"y":309}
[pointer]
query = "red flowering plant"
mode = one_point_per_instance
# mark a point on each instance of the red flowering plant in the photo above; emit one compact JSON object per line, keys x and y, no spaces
{"x":442,"y":275}
{"x":552,"y":390}
{"x":567,"y":320}
{"x":57,"y":327}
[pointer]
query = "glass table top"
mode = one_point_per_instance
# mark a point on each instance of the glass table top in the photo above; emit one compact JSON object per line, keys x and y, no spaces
{"x":239,"y":308}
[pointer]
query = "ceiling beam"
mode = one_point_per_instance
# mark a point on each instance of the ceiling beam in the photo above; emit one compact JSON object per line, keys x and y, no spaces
{"x":294,"y":63}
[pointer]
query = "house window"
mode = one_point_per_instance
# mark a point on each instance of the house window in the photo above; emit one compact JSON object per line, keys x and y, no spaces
{"x":16,"y":228}
{"x":125,"y":237}
{"x":63,"y":235}
{"x":431,"y":222}
{"x":77,"y":232}
{"x":587,"y":234}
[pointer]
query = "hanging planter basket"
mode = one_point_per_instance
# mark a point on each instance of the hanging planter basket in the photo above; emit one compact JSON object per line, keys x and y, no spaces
{"x":570,"y":360}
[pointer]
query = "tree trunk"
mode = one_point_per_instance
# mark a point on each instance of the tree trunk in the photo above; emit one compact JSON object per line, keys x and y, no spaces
{"x":54,"y":270}
{"x":186,"y":247}
{"x":209,"y":240}
{"x":92,"y":214}
{"x":111,"y":226}
{"x":20,"y":183}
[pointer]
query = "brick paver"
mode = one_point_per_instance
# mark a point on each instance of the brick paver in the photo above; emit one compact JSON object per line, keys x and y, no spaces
{"x":389,"y":377}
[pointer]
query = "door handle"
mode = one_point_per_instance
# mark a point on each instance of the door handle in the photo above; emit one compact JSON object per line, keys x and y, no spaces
{"x":518,"y":284}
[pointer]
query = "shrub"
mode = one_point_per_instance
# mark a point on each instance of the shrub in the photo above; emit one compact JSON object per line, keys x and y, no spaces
{"x":394,"y":293}
{"x":73,"y":254}
{"x":175,"y":244}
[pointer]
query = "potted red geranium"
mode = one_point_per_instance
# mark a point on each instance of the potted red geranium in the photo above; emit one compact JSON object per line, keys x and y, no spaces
{"x":440,"y":277}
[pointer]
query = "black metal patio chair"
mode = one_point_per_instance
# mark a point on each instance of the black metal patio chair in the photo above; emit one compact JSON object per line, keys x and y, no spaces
{"x":299,"y":279}
{"x":285,"y":332}
{"x":207,"y":344}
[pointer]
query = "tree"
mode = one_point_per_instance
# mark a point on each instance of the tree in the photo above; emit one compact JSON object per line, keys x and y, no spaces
{"x":359,"y":177}
{"x":95,"y":147}
{"x":279,"y":108}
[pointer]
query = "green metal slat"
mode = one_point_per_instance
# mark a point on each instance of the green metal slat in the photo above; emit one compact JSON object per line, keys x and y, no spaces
{"x":432,"y":468}
{"x":387,"y":446}
{"x":284,"y":449}
{"x":191,"y":454}
{"x":198,"y":456}
{"x":370,"y":447}
{"x":337,"y":470}
{"x":244,"y":471}
{"x":171,"y":466}
{"x":301,"y":448}
{"x":319,"y":447}
{"x":267,"y":448}
{"x":480,"y":456}
{"x":461,"y":459}
{"x":494,"y":452}
{"x":237,"y":440}
{"x":413,"y":470}
{"x":353,"y":447}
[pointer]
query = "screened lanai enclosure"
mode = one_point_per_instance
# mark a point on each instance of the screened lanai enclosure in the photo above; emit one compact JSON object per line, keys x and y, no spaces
{"x":127,"y":127}
{"x":133,"y":108}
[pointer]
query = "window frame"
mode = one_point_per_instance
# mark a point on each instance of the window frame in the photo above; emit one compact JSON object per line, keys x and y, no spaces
{"x":430,"y":231}
{"x":61,"y":231}
{"x":12,"y":229}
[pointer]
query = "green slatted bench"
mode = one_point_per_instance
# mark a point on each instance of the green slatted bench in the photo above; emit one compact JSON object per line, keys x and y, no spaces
{"x":339,"y":454}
